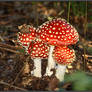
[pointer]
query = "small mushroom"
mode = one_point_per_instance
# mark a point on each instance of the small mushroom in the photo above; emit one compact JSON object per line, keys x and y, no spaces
{"x":56,"y":32}
{"x":26,"y":35}
{"x":38,"y":50}
{"x":63,"y":56}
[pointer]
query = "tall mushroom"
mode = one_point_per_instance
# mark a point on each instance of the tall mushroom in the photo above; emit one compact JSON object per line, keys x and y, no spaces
{"x":38,"y":50}
{"x":63,"y":57}
{"x":56,"y":32}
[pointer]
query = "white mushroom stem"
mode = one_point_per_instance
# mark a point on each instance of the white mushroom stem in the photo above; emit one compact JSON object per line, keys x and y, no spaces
{"x":37,"y":67}
{"x":60,"y":72}
{"x":51,"y":62}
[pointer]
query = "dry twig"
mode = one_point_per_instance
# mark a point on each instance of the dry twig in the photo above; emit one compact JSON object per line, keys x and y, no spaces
{"x":4,"y":83}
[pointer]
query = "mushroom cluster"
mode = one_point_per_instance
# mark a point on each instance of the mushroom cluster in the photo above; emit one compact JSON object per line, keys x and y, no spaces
{"x":50,"y":40}
{"x":57,"y":32}
{"x":36,"y":48}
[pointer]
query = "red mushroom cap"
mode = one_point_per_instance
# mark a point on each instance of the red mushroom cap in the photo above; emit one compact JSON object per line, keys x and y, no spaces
{"x":26,"y":35}
{"x":38,"y":49}
{"x":58,"y":32}
{"x":64,"y":55}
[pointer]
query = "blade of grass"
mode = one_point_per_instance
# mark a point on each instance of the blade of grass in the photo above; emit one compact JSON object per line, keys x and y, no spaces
{"x":85,"y":30}
{"x":68,"y":11}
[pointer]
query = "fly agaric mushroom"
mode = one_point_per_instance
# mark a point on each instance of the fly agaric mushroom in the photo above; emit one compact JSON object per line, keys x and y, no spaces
{"x":56,"y":32}
{"x":26,"y":35}
{"x":38,"y":50}
{"x":63,"y":57}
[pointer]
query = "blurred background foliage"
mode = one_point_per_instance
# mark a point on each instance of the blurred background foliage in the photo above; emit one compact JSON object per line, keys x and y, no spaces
{"x":80,"y":81}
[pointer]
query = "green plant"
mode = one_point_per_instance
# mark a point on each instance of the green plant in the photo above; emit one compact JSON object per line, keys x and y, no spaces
{"x":80,"y":81}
